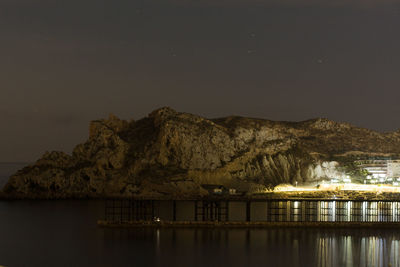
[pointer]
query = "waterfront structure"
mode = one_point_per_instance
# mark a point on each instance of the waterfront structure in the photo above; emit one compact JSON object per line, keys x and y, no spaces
{"x":216,"y":189}
{"x":253,"y":210}
{"x":381,"y":171}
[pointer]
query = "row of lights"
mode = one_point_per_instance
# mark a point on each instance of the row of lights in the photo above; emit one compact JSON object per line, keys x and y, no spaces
{"x":370,"y":180}
{"x":382,"y":180}
{"x":345,"y":180}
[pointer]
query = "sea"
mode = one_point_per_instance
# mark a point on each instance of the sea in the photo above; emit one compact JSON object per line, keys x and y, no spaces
{"x":65,"y":233}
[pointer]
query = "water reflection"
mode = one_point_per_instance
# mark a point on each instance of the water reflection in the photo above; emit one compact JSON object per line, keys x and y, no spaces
{"x":64,"y":233}
{"x":354,"y":250}
{"x":256,"y":247}
{"x":276,"y":247}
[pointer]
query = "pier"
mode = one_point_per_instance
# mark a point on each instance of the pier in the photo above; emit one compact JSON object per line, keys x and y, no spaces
{"x":251,"y":211}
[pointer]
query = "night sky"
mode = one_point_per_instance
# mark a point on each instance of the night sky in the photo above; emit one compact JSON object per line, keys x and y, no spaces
{"x":64,"y":63}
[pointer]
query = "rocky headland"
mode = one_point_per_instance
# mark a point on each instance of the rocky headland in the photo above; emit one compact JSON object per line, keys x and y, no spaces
{"x":170,"y":154}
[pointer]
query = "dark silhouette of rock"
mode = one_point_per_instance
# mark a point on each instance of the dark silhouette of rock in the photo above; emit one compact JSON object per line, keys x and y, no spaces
{"x":171,"y":154}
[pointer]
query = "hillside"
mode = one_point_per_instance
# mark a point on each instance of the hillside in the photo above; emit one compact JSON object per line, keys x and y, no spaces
{"x":171,"y":154}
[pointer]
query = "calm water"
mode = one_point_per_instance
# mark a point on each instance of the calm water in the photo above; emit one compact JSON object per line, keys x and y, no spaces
{"x":64,"y":233}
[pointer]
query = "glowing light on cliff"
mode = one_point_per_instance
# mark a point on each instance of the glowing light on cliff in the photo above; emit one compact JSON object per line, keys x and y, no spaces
{"x":341,"y":187}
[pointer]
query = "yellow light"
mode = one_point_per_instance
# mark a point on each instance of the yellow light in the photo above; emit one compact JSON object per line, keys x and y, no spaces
{"x":340,"y":187}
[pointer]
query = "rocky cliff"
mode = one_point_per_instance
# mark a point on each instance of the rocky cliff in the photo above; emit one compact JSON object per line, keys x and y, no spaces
{"x":171,"y":154}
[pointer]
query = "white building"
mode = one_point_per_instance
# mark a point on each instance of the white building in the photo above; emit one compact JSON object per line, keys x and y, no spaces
{"x":393,"y":168}
{"x":381,"y":171}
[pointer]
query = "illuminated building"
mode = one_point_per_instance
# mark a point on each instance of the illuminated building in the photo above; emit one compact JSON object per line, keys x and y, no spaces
{"x":381,"y":171}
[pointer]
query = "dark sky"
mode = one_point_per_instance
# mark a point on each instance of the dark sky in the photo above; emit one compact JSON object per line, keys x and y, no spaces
{"x":64,"y":63}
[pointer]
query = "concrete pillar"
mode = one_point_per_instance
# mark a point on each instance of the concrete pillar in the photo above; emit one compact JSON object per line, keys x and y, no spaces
{"x":195,"y":210}
{"x":248,"y":208}
{"x":288,"y":211}
{"x":174,"y":210}
{"x":227,"y":210}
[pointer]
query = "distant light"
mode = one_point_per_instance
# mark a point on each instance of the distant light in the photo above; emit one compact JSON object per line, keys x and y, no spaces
{"x":342,"y":187}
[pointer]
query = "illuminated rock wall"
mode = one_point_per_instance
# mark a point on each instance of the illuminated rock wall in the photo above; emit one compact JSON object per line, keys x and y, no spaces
{"x":171,"y":154}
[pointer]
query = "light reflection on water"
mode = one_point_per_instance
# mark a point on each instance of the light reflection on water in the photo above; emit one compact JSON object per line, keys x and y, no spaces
{"x":355,"y":250}
{"x":350,"y":251}
{"x":268,"y":247}
{"x":64,"y":233}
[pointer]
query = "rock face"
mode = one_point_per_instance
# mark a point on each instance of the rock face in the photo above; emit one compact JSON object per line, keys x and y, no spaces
{"x":171,"y":154}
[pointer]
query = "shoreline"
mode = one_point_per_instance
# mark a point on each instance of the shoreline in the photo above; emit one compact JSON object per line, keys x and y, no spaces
{"x":325,"y":196}
{"x":259,"y":224}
